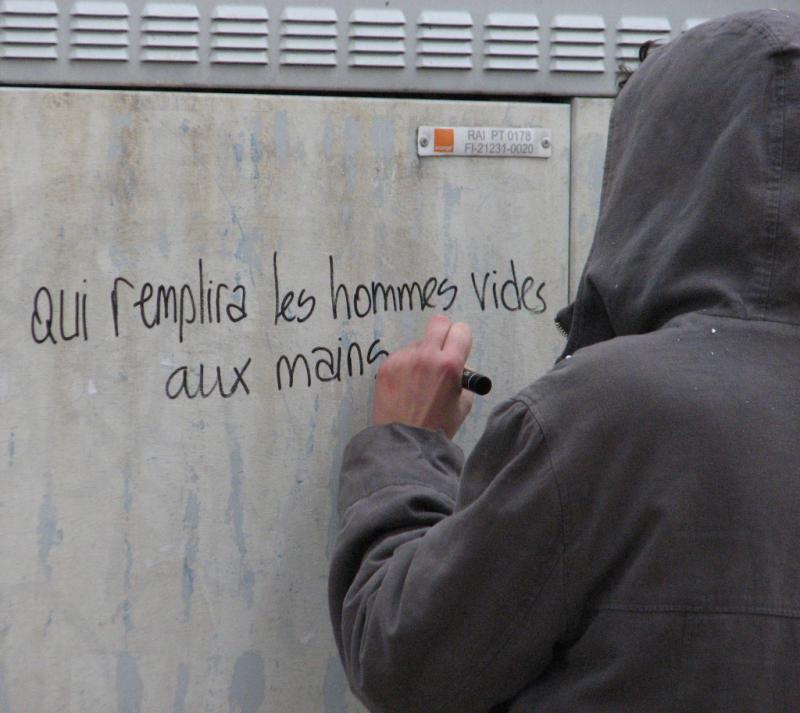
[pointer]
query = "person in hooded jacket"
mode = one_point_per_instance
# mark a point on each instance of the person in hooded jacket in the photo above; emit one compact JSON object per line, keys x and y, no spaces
{"x":625,"y":537}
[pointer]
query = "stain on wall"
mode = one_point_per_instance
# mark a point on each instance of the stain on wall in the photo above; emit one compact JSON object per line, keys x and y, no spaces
{"x":48,"y":531}
{"x":4,"y":705}
{"x":191,"y":519}
{"x":235,"y":516}
{"x":181,"y":689}
{"x":129,"y":684}
{"x":174,"y":553}
{"x":334,"y":691}
{"x":248,"y":685}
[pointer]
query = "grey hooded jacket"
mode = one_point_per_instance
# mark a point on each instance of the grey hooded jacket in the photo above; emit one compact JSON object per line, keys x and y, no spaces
{"x":625,"y":537}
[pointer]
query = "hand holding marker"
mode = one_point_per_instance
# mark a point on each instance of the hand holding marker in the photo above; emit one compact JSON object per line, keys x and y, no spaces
{"x":414,"y":385}
{"x":475,"y":382}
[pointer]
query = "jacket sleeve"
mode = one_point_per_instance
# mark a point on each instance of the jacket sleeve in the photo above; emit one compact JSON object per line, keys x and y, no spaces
{"x":446,"y":596}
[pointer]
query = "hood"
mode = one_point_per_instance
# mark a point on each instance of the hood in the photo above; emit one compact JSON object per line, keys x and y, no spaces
{"x":700,"y":205}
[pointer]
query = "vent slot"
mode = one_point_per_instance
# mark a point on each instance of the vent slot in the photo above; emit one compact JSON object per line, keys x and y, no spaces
{"x":28,"y":29}
{"x":511,"y":42}
{"x":377,"y":39}
{"x":444,"y":40}
{"x":633,"y":32}
{"x":308,"y":36}
{"x":99,"y":31}
{"x":239,"y":34}
{"x":578,"y":44}
{"x":170,"y":33}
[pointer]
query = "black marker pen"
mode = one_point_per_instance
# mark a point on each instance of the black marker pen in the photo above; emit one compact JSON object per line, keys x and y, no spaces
{"x":475,"y":382}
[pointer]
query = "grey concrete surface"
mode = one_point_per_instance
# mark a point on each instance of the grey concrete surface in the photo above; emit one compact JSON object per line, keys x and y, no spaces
{"x":170,"y":554}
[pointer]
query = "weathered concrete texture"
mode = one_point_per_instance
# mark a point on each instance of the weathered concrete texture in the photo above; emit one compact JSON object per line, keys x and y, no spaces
{"x":246,"y":694}
{"x":181,"y":689}
{"x":171,"y":554}
{"x":589,"y":133}
{"x":129,"y":684}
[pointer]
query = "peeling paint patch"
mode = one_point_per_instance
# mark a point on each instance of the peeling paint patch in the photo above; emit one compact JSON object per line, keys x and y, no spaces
{"x":123,"y":177}
{"x":120,"y":121}
{"x":352,"y":141}
{"x":127,"y":617}
{"x":246,"y":694}
{"x":383,"y":138}
{"x":334,"y":689}
{"x":238,"y":155}
{"x":312,"y":428}
{"x":452,"y":199}
{"x":327,"y":137}
{"x":247,"y":248}
{"x":48,"y":531}
{"x":383,"y":148}
{"x":127,"y":504}
{"x":127,"y":493}
{"x":163,"y":244}
{"x":4,"y":706}
{"x":244,"y":249}
{"x":280,"y":133}
{"x":119,"y":258}
{"x":343,"y":417}
{"x":346,"y":215}
{"x":129,"y":684}
{"x":191,"y":518}
{"x":235,"y":515}
{"x":256,"y":154}
{"x":248,"y":583}
{"x":451,"y":196}
{"x":181,"y":689}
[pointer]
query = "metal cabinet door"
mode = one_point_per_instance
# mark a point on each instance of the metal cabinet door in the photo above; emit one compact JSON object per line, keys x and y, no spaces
{"x":196,"y":293}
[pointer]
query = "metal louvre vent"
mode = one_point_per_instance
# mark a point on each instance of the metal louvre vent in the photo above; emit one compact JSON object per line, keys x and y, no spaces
{"x":170,"y":33}
{"x":511,"y":42}
{"x":377,"y":38}
{"x":495,"y":48}
{"x":28,"y":29}
{"x":308,"y":36}
{"x":99,"y":31}
{"x":578,"y":44}
{"x":444,"y":40}
{"x":239,"y":34}
{"x":633,"y":32}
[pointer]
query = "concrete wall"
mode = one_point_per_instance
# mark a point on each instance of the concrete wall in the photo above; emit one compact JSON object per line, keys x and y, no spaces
{"x":169,"y":554}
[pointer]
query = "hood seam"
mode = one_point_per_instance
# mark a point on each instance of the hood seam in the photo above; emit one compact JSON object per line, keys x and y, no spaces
{"x":772,"y":211}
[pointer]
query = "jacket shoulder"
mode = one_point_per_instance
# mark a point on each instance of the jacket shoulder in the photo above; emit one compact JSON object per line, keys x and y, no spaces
{"x":613,"y":376}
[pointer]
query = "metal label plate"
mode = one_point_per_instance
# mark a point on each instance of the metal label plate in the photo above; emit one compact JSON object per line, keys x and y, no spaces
{"x":492,"y":141}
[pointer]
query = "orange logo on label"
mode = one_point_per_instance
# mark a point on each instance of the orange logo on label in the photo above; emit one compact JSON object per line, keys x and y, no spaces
{"x":443,"y":140}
